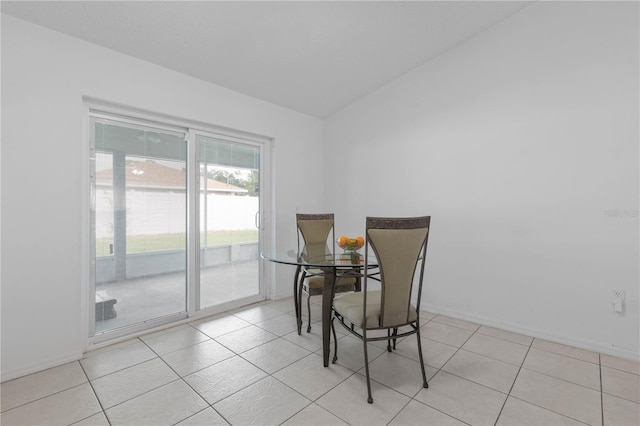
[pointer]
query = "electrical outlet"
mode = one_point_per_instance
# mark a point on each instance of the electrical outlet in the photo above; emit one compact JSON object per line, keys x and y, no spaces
{"x":617,"y":294}
{"x":617,"y":299}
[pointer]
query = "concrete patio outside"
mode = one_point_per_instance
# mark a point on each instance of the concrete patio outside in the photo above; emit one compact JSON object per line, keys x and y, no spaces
{"x":150,"y":297}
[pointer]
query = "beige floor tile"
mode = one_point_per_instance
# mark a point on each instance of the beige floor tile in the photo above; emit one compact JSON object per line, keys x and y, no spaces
{"x":348,"y":401}
{"x":208,"y":416}
{"x":220,"y":324}
{"x":434,"y":354}
{"x":464,"y":400}
{"x":400,"y":373}
{"x":417,"y":413}
{"x":340,"y":329}
{"x":133,"y":381}
{"x":521,"y":413}
{"x":280,"y":325}
{"x":445,"y":333}
{"x":493,"y":347}
{"x":193,"y":358}
{"x":426,"y":316}
{"x":314,"y":415}
{"x":309,"y":377}
{"x":316,"y":300}
{"x":267,"y":402}
{"x":310,"y":341}
{"x":165,"y":405}
{"x":620,"y":412}
{"x":99,"y":419}
{"x":247,"y":338}
{"x":108,"y":348}
{"x":62,"y":408}
{"x":174,"y":340}
{"x":620,"y":364}
{"x":286,"y":305}
{"x":316,"y":313}
{"x":118,"y":357}
{"x":275,"y":355}
{"x":220,"y":380}
{"x":38,"y":385}
{"x":621,"y":384}
{"x":566,"y":350}
{"x":256,"y":313}
{"x":506,"y":335}
{"x":483,"y":370}
{"x":566,"y":398}
{"x":563,"y":367}
{"x":351,"y":352}
{"x":471,"y":326}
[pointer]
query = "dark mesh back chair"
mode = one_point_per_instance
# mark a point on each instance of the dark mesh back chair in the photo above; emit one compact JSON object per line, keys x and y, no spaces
{"x":400,"y":246}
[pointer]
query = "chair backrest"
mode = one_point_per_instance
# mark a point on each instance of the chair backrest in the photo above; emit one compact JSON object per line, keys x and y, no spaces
{"x":315,"y":230}
{"x":400,"y":246}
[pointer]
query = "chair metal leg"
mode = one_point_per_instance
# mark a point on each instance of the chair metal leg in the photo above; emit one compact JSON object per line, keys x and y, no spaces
{"x":335,"y":342}
{"x":388,"y":340}
{"x":366,"y":367}
{"x":309,"y":312}
{"x":424,"y":376}
{"x":395,"y":333}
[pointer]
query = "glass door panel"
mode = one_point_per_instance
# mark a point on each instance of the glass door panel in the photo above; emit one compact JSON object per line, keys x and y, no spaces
{"x":229,"y":220}
{"x":139,"y":224}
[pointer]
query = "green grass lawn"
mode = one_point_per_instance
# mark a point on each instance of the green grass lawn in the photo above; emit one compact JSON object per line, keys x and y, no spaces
{"x":158,"y":242}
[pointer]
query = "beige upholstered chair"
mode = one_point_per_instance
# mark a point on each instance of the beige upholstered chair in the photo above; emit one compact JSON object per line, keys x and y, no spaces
{"x":400,"y":246}
{"x":316,"y":239}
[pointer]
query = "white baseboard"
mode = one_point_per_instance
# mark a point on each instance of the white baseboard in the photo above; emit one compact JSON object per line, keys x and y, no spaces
{"x":40,"y":366}
{"x":536,"y":333}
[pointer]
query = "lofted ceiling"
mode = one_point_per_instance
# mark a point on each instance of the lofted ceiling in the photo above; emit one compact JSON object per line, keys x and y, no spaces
{"x":312,"y":57}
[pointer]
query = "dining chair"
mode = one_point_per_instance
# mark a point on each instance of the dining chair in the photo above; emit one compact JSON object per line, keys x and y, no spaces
{"x":400,"y":246}
{"x":316,"y":239}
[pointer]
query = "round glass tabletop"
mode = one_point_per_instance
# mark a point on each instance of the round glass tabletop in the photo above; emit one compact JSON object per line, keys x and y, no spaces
{"x":319,"y":259}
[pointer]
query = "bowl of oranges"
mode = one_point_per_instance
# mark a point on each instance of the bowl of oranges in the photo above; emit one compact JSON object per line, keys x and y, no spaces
{"x":350,"y":244}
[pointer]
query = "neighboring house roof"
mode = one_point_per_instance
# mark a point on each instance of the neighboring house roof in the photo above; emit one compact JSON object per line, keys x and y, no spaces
{"x":151,"y":175}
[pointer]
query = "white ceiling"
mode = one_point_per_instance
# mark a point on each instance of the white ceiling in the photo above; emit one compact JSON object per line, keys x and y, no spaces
{"x":312,"y":57}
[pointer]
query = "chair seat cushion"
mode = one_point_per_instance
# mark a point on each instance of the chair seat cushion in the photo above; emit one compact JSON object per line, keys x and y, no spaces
{"x":314,"y":271}
{"x":314,"y":284}
{"x":351,"y":307}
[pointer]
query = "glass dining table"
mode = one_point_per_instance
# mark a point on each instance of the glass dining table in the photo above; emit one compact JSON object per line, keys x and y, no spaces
{"x":332,"y":265}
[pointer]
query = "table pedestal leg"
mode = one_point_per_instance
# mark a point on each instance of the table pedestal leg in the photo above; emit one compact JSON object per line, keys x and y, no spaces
{"x":295,"y":299}
{"x":327,"y":301}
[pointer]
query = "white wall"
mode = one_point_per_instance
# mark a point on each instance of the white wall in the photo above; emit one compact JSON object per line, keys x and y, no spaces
{"x":519,"y":143}
{"x":44,"y":77}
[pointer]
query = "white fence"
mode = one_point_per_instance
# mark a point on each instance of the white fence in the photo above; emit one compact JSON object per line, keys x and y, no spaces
{"x":164,"y":212}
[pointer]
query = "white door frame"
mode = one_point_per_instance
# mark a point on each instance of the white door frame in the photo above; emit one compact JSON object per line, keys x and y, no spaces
{"x":97,"y":107}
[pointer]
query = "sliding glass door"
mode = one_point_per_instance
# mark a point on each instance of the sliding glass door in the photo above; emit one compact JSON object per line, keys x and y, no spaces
{"x":229,"y":220}
{"x":175,"y":223}
{"x":139,"y":223}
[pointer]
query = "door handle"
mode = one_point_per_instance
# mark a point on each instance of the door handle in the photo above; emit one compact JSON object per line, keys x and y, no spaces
{"x":257,"y":219}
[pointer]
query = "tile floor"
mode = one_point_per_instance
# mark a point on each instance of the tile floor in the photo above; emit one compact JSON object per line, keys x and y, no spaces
{"x":249,"y":366}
